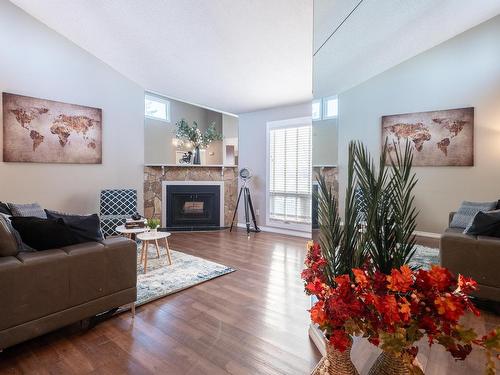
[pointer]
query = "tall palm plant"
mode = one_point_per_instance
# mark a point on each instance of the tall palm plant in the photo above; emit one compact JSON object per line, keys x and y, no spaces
{"x":379,"y":222}
{"x":340,"y":242}
{"x":388,"y":203}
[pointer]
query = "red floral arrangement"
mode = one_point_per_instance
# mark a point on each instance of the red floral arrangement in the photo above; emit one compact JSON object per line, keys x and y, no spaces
{"x":395,"y":311}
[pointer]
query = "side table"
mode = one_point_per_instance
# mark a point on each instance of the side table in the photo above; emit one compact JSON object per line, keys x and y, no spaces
{"x":147,"y":238}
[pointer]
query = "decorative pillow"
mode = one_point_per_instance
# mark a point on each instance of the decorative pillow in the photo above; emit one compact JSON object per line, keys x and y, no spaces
{"x":44,"y":234}
{"x":85,"y":228}
{"x":30,"y":209}
{"x":485,"y":224}
{"x":8,"y":243}
{"x":4,"y":209}
{"x":20,"y":245}
{"x":468,"y":210}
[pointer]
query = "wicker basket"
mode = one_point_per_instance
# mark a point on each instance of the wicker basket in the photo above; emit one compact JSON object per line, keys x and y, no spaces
{"x":389,"y":364}
{"x":335,"y":363}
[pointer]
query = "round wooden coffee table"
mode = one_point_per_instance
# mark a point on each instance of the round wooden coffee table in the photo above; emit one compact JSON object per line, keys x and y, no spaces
{"x":147,"y":238}
{"x":130,"y":232}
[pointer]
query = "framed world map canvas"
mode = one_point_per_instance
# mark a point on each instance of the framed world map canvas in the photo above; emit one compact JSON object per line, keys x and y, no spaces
{"x":45,"y":131}
{"x":438,"y":138}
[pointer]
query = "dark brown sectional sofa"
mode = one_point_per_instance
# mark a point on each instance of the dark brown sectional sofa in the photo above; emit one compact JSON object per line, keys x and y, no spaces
{"x":45,"y":290}
{"x":473,"y":256}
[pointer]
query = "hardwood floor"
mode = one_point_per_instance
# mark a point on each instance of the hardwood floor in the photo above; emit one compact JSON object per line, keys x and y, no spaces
{"x":253,"y":321}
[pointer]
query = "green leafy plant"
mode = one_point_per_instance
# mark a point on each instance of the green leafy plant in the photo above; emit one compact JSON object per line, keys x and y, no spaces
{"x":153,"y":223}
{"x":186,"y":133}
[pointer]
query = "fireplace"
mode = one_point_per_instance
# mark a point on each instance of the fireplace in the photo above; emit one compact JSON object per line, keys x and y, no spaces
{"x":193,"y":205}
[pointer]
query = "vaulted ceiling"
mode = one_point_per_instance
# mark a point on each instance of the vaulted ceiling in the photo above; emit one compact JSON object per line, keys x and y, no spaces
{"x":371,"y":36}
{"x":232,"y":55}
{"x":245,"y":55}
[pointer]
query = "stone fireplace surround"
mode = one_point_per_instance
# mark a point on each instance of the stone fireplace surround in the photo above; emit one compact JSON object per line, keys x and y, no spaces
{"x":154,"y":176}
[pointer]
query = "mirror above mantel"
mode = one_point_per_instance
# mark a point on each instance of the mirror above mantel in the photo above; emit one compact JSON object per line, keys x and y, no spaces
{"x":162,"y":148}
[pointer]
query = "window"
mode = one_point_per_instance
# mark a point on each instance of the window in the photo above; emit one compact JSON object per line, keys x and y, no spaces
{"x":156,"y":108}
{"x":330,"y":107}
{"x":316,"y":110}
{"x":289,"y":174}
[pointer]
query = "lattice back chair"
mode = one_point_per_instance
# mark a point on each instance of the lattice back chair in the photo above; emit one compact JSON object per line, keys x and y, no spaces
{"x":116,"y":206}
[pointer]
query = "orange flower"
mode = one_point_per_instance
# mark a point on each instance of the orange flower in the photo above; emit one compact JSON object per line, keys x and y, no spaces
{"x":400,"y":281}
{"x":318,"y":314}
{"x":448,"y":307}
{"x":340,"y":340}
{"x":360,"y":277}
{"x":315,"y":287}
{"x":405,"y":309}
{"x":466,"y":284}
{"x":440,"y":277}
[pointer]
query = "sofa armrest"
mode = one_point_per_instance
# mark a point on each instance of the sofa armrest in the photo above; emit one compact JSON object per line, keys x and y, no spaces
{"x":121,"y":263}
{"x":488,"y":260}
{"x":476,"y":257}
{"x":456,"y":249}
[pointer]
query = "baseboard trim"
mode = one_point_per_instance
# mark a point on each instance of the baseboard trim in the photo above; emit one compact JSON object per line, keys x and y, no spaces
{"x":427,"y":234}
{"x":308,"y":234}
{"x":318,"y":339}
{"x":280,"y":231}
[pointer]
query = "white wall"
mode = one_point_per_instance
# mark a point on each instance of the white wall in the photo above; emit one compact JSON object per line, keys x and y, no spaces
{"x":252,"y":150}
{"x":462,"y":72}
{"x":36,"y":61}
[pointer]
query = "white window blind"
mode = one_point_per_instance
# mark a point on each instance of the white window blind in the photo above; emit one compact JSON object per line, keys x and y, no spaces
{"x":290,"y":173}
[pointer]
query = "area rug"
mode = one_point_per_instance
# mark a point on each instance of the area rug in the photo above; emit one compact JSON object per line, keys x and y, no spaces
{"x":424,"y":257}
{"x":162,"y":279}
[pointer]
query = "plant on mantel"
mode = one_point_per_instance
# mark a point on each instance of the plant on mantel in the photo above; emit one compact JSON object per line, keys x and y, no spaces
{"x":359,"y":274}
{"x":191,"y":136}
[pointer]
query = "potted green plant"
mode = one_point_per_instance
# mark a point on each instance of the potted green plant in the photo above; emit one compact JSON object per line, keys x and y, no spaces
{"x":153,"y":224}
{"x":192,"y":137}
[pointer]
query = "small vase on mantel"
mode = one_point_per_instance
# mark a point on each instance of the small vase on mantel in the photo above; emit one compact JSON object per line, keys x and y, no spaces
{"x":336,"y":362}
{"x":196,"y":156}
{"x":390,"y":364}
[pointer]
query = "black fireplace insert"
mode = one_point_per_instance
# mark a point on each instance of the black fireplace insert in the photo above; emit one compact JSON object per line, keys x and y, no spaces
{"x":192,"y":207}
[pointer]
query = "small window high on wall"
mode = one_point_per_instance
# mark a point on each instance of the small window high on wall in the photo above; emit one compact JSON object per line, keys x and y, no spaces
{"x":316,"y":110}
{"x":289,"y":174}
{"x":156,"y":108}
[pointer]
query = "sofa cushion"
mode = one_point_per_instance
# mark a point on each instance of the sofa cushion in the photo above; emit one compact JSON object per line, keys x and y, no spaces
{"x":8,"y":243}
{"x":86,"y":228}
{"x":4,"y":209}
{"x":468,"y":210}
{"x":44,"y":234}
{"x":33,"y":285}
{"x":30,"y":209}
{"x":87,"y":272}
{"x":485,"y":224}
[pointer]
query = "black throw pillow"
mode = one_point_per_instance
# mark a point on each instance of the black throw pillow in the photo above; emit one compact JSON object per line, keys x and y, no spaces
{"x":85,"y":228}
{"x":4,"y":209}
{"x":44,"y":234}
{"x":485,"y":224}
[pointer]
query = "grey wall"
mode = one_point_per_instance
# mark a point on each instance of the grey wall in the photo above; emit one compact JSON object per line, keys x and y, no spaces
{"x":159,"y":134}
{"x":462,"y":72}
{"x":252,"y":150}
{"x":324,"y":140}
{"x":38,"y":62}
